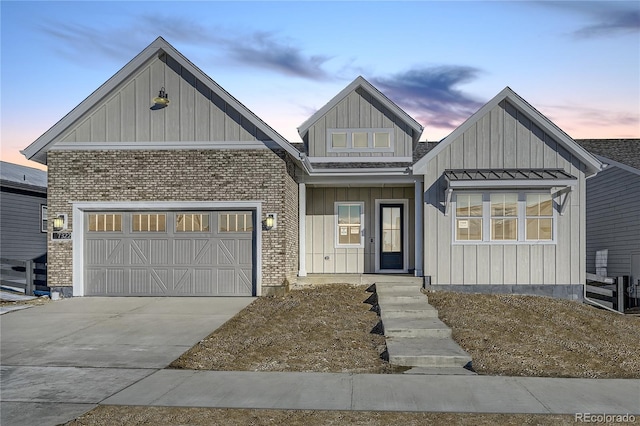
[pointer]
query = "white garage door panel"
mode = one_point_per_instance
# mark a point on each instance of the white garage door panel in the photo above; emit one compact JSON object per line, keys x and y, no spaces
{"x":167,"y":262}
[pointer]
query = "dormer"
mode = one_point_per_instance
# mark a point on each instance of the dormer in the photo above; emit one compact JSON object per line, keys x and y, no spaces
{"x":362,"y":124}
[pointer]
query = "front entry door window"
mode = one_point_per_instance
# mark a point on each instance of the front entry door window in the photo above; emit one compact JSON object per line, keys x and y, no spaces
{"x":391,"y":255}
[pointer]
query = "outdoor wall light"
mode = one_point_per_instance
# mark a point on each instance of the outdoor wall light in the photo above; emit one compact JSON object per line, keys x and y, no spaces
{"x":60,"y":222}
{"x":270,"y":221}
{"x":162,"y":100}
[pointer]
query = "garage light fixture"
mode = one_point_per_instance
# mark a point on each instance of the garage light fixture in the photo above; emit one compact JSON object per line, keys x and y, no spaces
{"x":162,"y":100}
{"x":270,"y":221}
{"x":59,"y":222}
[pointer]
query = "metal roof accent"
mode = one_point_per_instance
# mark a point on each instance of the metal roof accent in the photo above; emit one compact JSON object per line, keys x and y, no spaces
{"x":506,"y":174}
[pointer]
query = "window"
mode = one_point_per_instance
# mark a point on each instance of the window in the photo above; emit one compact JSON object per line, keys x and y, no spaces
{"x":349,"y":218}
{"x":105,"y":222}
{"x":469,"y":217}
{"x":192,"y":222}
{"x":235,"y":222}
{"x":504,"y":217}
{"x":360,"y":140}
{"x":150,"y":222}
{"x":338,"y":140}
{"x":43,"y":218}
{"x":539,"y":217}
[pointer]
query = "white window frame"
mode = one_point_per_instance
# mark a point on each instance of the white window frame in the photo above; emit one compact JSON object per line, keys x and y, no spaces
{"x":370,"y":140}
{"x":486,"y":219}
{"x":44,"y":220}
{"x":337,"y":225}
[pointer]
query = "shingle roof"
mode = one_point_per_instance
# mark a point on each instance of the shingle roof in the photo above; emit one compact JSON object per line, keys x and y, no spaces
{"x":22,"y":175}
{"x":625,"y":151}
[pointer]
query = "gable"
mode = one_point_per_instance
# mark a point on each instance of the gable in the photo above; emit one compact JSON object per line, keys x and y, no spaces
{"x":195,"y":112}
{"x":507,"y":132}
{"x":122,"y":110}
{"x":367,"y":124}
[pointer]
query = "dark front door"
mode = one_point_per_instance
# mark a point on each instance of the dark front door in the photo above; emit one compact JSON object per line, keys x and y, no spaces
{"x":392,"y":233}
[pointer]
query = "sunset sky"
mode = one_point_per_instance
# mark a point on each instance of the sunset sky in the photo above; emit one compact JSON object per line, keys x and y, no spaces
{"x":577,"y":62}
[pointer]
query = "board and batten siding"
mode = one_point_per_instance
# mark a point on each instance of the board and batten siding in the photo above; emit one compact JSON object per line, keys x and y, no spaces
{"x":20,"y":225}
{"x":359,"y":110}
{"x":503,"y":138}
{"x":195,"y":113}
{"x":613,"y":219}
{"x":320,"y":228}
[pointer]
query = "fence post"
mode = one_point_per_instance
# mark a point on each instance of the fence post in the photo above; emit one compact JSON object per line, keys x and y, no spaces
{"x":28,"y":275}
{"x":620,"y":294}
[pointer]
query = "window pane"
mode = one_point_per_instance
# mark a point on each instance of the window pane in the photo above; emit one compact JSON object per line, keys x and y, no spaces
{"x":360,"y":140}
{"x":545,"y":231}
{"x":381,"y":140}
{"x":475,"y":205}
{"x":504,"y":229}
{"x":354,"y":234}
{"x":343,"y":214}
{"x":343,"y":235}
{"x":469,"y":229}
{"x":532,"y":229}
{"x":504,"y":204}
{"x":338,"y":140}
{"x":354,"y":216}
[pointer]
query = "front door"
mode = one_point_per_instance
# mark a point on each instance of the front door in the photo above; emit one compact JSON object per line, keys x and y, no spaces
{"x":391,"y":236}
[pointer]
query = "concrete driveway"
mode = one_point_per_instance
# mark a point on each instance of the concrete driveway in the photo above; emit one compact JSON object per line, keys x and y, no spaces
{"x":60,"y":359}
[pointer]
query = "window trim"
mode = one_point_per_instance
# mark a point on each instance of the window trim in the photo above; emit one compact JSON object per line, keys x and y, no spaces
{"x":370,"y":139}
{"x":521,"y":219}
{"x":44,"y":219}
{"x":336,"y":225}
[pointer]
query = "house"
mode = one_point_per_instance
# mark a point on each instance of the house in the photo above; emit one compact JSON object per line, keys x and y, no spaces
{"x":170,"y":186}
{"x":613,"y":207}
{"x":23,"y":211}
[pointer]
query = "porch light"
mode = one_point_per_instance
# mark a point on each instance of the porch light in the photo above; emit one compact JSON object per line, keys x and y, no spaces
{"x":60,"y":222}
{"x":270,"y":221}
{"x":162,"y":100}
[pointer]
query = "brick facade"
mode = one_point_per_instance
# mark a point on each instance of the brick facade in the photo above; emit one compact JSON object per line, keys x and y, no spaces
{"x":180,"y":175}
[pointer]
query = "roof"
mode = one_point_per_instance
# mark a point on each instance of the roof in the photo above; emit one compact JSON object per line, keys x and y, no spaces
{"x":508,"y":178}
{"x":37,"y":150}
{"x":16,"y":175}
{"x":624,"y":151}
{"x":360,"y":82}
{"x":593,"y":165}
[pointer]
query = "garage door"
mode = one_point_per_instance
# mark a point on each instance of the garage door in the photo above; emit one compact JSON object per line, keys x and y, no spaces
{"x":169,"y":253}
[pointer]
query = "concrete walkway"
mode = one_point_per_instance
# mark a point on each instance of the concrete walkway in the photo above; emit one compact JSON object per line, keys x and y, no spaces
{"x":414,"y":334}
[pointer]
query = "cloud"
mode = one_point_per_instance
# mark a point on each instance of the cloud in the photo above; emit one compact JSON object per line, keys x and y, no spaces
{"x":581,"y":121}
{"x":605,"y":18}
{"x":432,"y":93}
{"x":259,"y":49}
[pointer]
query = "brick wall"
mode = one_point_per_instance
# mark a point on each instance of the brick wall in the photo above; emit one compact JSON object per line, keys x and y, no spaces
{"x":189,"y":175}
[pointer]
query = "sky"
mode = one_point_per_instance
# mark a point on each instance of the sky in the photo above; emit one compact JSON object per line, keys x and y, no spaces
{"x":577,"y":62}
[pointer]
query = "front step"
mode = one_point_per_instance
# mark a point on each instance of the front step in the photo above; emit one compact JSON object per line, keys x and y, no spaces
{"x":415,"y":327}
{"x":418,"y":310}
{"x":426,"y":352}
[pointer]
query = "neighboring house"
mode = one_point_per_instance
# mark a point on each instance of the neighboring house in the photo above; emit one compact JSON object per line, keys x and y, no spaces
{"x":201,"y":197}
{"x":23,"y":211}
{"x":613,"y":206}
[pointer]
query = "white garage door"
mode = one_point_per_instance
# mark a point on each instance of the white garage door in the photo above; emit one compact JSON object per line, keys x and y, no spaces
{"x":169,"y":253}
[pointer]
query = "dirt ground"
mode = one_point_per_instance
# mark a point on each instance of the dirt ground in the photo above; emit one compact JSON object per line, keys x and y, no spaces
{"x":106,"y":415}
{"x":513,"y":335}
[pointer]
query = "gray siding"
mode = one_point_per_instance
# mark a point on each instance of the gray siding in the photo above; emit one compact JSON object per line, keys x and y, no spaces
{"x":194,"y":114}
{"x":20,"y":226}
{"x":320,"y":227}
{"x":359,"y":110}
{"x":613,"y":218}
{"x":503,"y":138}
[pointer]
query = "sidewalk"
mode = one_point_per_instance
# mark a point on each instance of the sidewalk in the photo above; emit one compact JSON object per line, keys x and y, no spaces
{"x":380,"y":392}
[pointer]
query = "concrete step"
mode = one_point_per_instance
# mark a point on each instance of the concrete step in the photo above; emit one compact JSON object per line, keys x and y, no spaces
{"x":399,"y":291}
{"x":417,"y":310}
{"x":415,"y":327}
{"x":426,"y":352}
{"x":386,"y":299}
{"x":441,"y":371}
